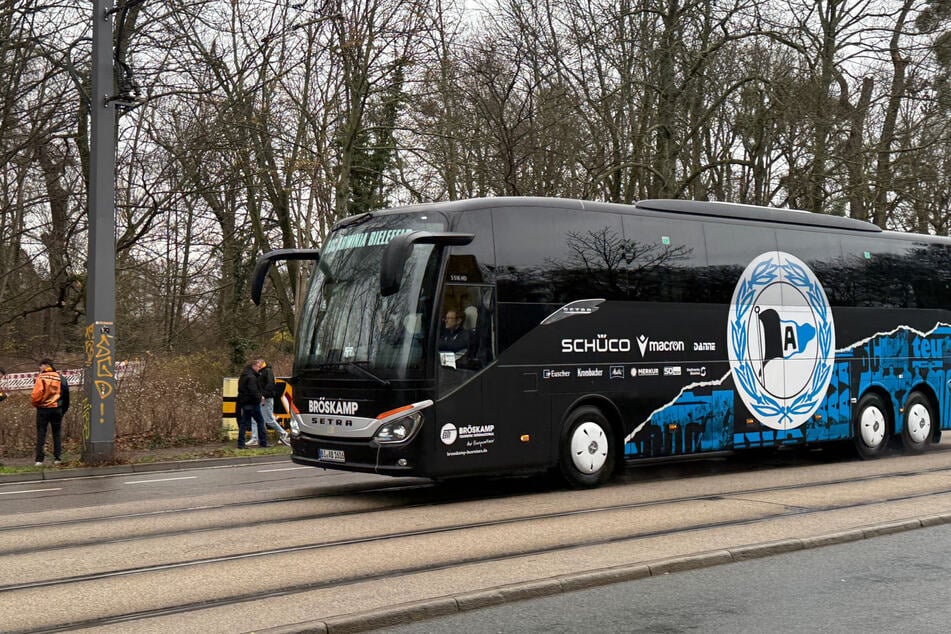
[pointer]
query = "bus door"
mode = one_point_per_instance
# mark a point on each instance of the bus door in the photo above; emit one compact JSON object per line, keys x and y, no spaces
{"x":466,"y":344}
{"x":497,"y":412}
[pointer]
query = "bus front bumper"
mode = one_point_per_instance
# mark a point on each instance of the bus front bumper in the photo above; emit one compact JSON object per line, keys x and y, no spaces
{"x":361,"y":456}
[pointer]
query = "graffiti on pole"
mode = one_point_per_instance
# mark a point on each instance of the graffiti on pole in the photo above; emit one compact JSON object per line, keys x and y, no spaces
{"x":87,"y":408}
{"x":100,"y":359}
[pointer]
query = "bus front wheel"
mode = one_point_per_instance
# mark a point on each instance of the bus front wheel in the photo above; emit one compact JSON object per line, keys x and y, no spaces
{"x":871,"y":426}
{"x":918,"y":423}
{"x":587,"y":448}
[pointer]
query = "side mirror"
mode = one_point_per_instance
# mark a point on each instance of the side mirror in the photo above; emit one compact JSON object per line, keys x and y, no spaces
{"x":264,"y":263}
{"x":398,"y":251}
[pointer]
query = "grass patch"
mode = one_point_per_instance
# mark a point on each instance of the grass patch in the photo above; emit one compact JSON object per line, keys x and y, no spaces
{"x":5,"y":470}
{"x":197,"y":453}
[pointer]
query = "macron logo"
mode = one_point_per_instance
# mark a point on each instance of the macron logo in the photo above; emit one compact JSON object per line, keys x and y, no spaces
{"x":642,"y":344}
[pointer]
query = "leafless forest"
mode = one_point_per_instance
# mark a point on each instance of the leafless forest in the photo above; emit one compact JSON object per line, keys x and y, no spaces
{"x":259,"y":123}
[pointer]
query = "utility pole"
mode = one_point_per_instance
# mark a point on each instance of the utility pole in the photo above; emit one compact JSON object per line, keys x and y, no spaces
{"x":99,"y":424}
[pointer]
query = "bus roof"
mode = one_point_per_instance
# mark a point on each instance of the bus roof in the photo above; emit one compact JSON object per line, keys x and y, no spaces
{"x":753,"y":212}
{"x":686,"y":207}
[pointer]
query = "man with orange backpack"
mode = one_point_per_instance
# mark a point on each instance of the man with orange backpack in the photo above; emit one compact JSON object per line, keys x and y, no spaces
{"x":50,"y":397}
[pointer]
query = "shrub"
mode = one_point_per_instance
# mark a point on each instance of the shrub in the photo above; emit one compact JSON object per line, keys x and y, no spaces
{"x":171,"y":401}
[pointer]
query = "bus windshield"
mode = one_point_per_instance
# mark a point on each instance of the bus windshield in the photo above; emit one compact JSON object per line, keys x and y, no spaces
{"x":346,"y":326}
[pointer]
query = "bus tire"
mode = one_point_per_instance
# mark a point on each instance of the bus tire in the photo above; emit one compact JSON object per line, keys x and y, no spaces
{"x":871,"y":426}
{"x":587,"y":448}
{"x":918,"y":424}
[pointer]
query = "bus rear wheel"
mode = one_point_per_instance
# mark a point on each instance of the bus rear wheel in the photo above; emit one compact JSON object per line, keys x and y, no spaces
{"x":587,"y":448}
{"x":918,"y":424}
{"x":871,"y":426}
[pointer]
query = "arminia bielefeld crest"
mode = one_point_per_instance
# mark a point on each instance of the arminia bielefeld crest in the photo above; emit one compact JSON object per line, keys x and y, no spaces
{"x":781,"y":340}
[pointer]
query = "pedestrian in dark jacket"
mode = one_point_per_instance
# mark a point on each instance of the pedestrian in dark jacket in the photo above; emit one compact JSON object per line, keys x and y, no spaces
{"x":249,"y":402}
{"x":269,"y":391}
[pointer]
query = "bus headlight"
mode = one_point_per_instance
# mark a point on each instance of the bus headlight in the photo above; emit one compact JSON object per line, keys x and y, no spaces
{"x":399,"y":430}
{"x":294,"y":422}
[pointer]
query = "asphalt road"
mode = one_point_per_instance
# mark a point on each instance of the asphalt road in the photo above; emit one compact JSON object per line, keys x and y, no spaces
{"x":249,"y":547}
{"x":893,"y":583}
{"x":158,"y":489}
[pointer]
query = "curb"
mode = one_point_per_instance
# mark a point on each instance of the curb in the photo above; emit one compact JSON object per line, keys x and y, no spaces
{"x":405,"y":613}
{"x":142,"y":467}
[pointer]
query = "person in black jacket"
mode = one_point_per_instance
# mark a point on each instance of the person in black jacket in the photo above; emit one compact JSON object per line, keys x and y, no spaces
{"x":453,"y":337}
{"x":249,"y":401}
{"x":269,"y":391}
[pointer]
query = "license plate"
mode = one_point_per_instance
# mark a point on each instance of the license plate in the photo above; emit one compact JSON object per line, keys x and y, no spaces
{"x":331,"y":455}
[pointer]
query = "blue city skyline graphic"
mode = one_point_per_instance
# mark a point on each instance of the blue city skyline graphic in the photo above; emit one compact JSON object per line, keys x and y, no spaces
{"x":706,"y":413}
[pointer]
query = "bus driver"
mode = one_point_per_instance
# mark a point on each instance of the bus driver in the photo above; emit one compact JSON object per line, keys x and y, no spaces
{"x":453,"y":338}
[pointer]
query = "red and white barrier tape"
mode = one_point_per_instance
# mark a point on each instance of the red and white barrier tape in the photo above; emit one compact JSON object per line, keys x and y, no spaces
{"x":19,"y":381}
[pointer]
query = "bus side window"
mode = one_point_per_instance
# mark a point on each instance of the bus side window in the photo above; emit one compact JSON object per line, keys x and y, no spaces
{"x":474,"y":306}
{"x":482,"y":334}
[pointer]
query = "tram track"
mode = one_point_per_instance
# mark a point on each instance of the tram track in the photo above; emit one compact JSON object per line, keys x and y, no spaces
{"x":396,"y":572}
{"x":337,"y":492}
{"x":431,"y":496}
{"x":469,"y":526}
{"x":405,"y":536}
{"x":434,"y":492}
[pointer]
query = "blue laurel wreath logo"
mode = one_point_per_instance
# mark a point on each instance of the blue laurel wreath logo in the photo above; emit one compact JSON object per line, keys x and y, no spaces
{"x":766,"y":270}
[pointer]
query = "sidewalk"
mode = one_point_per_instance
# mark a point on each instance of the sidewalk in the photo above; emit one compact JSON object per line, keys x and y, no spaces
{"x":141,"y":460}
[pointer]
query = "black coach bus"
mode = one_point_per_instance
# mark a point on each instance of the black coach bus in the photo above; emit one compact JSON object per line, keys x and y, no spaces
{"x":507,"y":335}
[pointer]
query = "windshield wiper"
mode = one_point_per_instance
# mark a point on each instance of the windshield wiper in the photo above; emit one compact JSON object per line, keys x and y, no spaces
{"x":353,"y":221}
{"x":350,"y":365}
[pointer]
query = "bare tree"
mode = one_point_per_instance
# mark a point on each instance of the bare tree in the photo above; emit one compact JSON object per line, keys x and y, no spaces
{"x":42,"y":205}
